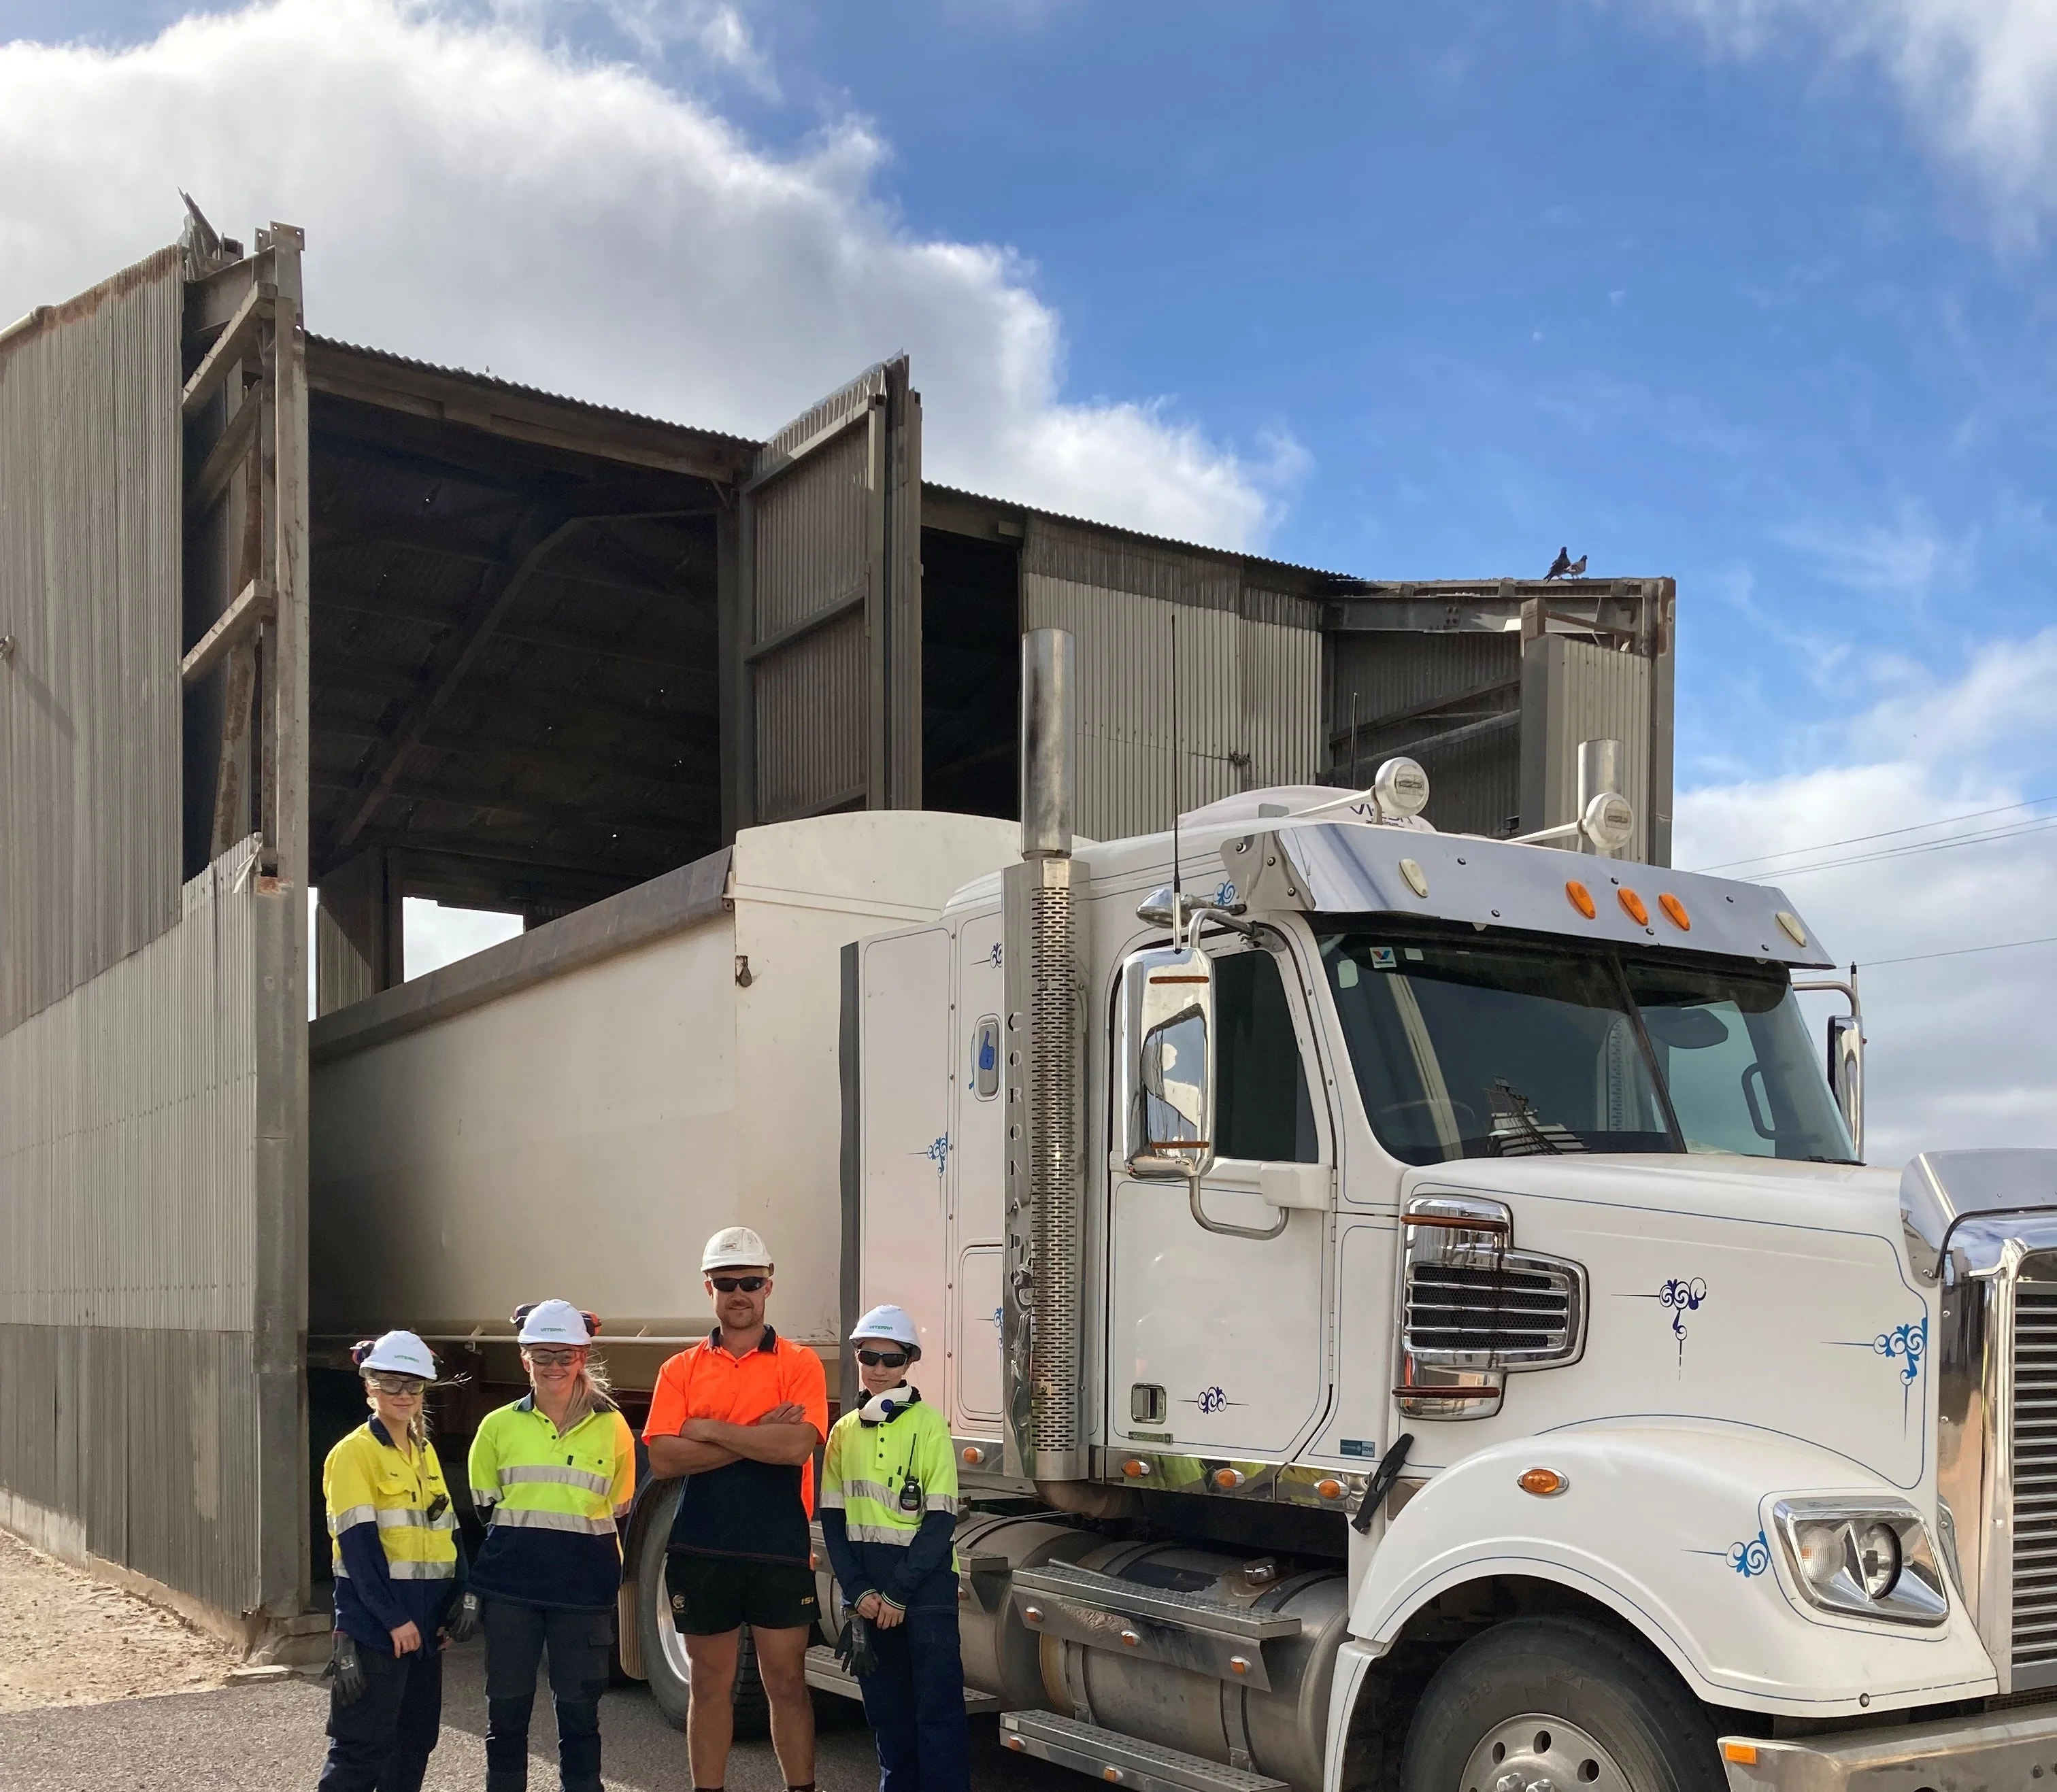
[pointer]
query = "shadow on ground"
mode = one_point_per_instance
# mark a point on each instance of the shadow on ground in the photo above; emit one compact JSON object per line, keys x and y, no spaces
{"x":268,"y":1738}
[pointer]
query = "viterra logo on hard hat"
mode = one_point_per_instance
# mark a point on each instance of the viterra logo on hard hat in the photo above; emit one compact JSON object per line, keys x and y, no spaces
{"x":735,"y":1247}
{"x":555,"y":1322}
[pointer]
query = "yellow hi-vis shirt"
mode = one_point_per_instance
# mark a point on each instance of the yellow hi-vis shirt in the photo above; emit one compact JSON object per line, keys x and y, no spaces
{"x":880,"y":1485}
{"x":553,"y":1500}
{"x":394,"y":1536}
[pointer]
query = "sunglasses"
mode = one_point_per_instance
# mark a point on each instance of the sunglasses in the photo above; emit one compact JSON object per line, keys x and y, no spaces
{"x":552,"y":1359}
{"x":732,"y":1284}
{"x":882,"y":1359}
{"x":394,"y":1385}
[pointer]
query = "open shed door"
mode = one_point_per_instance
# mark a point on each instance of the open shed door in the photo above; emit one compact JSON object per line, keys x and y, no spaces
{"x":152,"y":923}
{"x":828,"y":695}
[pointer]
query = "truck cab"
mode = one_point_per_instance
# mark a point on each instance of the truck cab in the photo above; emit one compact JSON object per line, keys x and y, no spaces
{"x":1413,"y":1309}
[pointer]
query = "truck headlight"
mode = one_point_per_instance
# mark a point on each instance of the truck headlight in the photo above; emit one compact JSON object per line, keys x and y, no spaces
{"x":1863,"y":1559}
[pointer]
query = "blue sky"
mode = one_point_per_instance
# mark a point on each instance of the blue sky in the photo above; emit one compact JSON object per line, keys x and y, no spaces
{"x":1754,"y":293}
{"x":1509,"y":275}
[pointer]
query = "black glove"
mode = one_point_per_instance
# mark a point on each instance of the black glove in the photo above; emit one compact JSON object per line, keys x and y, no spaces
{"x":854,"y":1649}
{"x":462,"y":1624}
{"x":345,"y":1670}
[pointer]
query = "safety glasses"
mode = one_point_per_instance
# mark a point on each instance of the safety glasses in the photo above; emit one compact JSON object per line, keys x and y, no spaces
{"x":552,"y":1359}
{"x":882,"y":1359}
{"x":732,"y":1285}
{"x":394,"y":1385}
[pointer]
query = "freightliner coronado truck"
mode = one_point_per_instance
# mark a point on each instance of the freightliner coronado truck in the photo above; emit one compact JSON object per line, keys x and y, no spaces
{"x":1410,"y":1305}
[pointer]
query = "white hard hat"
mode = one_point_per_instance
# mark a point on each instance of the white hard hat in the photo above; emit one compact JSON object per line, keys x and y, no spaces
{"x":555,"y":1322}
{"x":888,"y":1321}
{"x":396,"y":1353}
{"x":735,"y":1247}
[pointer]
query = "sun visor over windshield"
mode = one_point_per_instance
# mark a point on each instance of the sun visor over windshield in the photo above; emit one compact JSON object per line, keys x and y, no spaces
{"x":1347,"y":868}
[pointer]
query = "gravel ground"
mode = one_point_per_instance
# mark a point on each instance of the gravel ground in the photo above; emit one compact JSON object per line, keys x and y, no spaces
{"x":101,"y":1691}
{"x":66,"y":1639}
{"x":263,"y":1738}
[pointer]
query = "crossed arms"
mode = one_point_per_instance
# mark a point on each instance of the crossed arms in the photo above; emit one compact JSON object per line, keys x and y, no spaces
{"x":784,"y":1435}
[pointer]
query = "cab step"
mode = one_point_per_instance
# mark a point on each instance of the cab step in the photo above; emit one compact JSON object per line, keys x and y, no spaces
{"x":1121,"y":1760}
{"x":826,"y":1673}
{"x":1190,"y":1632}
{"x":1082,"y":1588}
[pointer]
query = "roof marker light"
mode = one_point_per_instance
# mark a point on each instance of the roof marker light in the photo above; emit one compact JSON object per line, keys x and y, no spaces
{"x":1794,"y":931}
{"x":1582,"y":898}
{"x":1633,"y":903}
{"x":1543,"y":1482}
{"x":1674,"y":911}
{"x":1418,"y":879}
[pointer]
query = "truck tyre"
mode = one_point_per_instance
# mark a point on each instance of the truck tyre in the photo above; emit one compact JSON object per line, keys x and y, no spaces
{"x":1560,"y":1700}
{"x":664,"y":1650}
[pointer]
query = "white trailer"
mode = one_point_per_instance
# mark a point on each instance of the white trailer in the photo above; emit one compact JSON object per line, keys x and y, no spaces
{"x":1409,"y":1305}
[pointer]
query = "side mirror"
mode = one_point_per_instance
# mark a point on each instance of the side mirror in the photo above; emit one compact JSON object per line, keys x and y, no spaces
{"x":1167,"y":1067}
{"x":1846,"y":1073}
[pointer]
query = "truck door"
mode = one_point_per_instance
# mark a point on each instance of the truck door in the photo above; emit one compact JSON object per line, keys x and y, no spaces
{"x":1216,"y":1338}
{"x":823,"y":700}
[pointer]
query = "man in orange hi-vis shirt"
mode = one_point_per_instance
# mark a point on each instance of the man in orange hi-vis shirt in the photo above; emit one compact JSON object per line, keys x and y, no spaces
{"x":740,"y":1416}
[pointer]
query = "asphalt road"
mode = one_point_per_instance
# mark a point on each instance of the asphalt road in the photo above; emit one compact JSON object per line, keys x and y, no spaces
{"x":267,"y":1738}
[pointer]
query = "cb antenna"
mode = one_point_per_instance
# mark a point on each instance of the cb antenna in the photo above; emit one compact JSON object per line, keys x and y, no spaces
{"x":1178,"y":889}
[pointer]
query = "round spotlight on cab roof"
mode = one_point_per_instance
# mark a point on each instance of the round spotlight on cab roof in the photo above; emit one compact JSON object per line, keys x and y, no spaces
{"x":1609,"y":821}
{"x":1401,"y":788}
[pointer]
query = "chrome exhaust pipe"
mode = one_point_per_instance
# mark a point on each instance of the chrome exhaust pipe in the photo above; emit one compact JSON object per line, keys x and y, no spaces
{"x":1042,"y":1328}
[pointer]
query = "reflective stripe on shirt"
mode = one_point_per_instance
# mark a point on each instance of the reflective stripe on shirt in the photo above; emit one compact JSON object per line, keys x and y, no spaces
{"x":520,"y":1518}
{"x":552,"y":1472}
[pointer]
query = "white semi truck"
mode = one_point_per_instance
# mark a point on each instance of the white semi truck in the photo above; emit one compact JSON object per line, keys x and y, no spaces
{"x":1410,"y":1306}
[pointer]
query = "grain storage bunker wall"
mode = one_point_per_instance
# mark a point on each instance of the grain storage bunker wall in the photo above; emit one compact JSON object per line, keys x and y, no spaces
{"x":277,"y":612}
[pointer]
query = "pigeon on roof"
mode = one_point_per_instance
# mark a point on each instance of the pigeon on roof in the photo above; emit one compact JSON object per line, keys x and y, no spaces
{"x":1559,"y":566}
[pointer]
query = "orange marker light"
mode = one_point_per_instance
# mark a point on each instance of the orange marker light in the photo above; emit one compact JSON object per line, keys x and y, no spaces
{"x":1582,"y":898}
{"x":1135,"y":1468}
{"x":1329,"y":1490}
{"x":1633,"y":903}
{"x":1744,"y":1754}
{"x":1674,"y":911}
{"x":1543,"y":1482}
{"x":1014,"y":1742}
{"x":1228,"y":1479}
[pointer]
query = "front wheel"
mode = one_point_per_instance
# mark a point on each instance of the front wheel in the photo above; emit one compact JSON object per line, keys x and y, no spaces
{"x":664,"y":1659}
{"x":1560,"y":1701}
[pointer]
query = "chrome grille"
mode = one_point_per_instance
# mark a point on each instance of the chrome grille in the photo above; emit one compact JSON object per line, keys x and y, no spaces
{"x":1517,"y":1310}
{"x":2035,"y":1464}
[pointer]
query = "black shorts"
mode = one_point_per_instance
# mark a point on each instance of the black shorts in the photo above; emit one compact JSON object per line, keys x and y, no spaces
{"x":711,"y":1595}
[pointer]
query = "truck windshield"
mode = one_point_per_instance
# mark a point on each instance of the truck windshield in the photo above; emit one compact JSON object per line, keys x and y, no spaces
{"x":1467,"y":1048}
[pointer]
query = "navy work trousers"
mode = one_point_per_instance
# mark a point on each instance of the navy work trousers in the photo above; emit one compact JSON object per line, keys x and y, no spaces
{"x":580,"y":1645}
{"x":915,"y":1705}
{"x":381,"y":1743}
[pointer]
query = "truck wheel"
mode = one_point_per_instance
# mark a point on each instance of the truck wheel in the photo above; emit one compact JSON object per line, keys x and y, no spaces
{"x":1562,"y":1702}
{"x":664,"y":1649}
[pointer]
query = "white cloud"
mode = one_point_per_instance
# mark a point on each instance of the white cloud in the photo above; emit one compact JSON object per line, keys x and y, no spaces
{"x":1979,"y":75}
{"x":478,"y":195}
{"x":1906,"y":557}
{"x":1963,"y":1049}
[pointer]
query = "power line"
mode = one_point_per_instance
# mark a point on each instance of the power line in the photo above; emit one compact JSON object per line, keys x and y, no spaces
{"x":1859,"y":840}
{"x":2040,"y":825}
{"x":1962,"y":951}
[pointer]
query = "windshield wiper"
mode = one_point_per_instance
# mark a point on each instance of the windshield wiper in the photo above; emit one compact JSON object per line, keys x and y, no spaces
{"x":1516,"y":1132}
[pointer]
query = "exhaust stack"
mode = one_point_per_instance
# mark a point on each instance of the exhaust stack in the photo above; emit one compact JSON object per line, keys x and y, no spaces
{"x":1042,"y":1331}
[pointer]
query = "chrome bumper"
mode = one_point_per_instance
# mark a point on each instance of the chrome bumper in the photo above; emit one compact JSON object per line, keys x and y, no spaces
{"x":2009,"y":1749}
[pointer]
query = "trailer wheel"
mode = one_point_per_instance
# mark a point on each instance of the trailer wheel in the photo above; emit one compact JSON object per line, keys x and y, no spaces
{"x":664,"y":1650}
{"x":1562,"y":1701}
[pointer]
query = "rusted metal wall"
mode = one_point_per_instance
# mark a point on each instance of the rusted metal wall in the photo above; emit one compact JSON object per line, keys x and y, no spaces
{"x":831,"y":575}
{"x":1249,"y":673}
{"x":1451,"y":701}
{"x":153,"y":1033}
{"x":90,"y":492}
{"x":1574,"y":692}
{"x":141,"y":1211}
